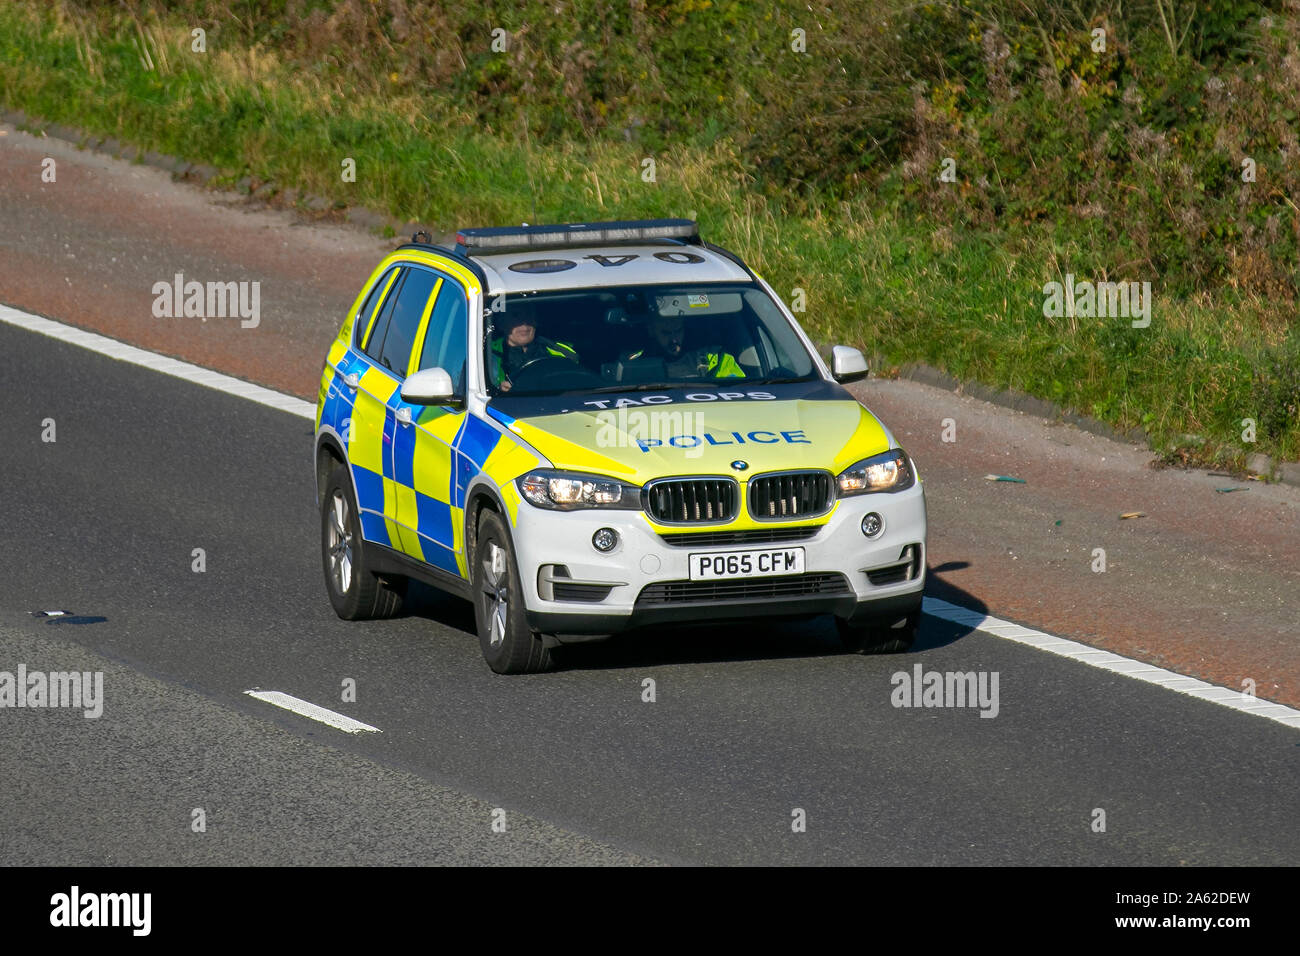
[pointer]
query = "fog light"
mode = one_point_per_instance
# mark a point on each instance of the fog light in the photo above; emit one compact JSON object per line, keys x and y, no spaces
{"x":606,"y":539}
{"x":872,"y":524}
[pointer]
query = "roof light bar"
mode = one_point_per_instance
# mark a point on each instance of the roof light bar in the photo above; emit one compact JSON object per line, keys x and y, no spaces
{"x":577,"y":234}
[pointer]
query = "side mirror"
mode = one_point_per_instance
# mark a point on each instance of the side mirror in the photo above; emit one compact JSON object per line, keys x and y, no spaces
{"x":429,"y":386}
{"x":847,"y":364}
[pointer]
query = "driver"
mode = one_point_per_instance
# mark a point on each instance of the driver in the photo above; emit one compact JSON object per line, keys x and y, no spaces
{"x":521,"y":346}
{"x":667,"y":338}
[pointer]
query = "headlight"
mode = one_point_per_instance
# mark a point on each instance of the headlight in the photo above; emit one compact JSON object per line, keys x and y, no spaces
{"x":888,"y":472}
{"x":568,"y":491}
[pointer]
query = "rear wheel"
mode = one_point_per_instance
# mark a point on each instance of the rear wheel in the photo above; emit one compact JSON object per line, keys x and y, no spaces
{"x":355,"y":591}
{"x":509,"y":646}
{"x":892,"y":634}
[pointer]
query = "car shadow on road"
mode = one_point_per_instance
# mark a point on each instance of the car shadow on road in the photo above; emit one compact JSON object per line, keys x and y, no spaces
{"x":429,"y":603}
{"x":758,"y":639}
{"x":712,"y":642}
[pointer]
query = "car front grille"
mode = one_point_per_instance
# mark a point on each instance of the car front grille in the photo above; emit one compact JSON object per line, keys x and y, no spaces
{"x":692,"y":500}
{"x":740,"y":589}
{"x":709,"y":539}
{"x":791,"y":494}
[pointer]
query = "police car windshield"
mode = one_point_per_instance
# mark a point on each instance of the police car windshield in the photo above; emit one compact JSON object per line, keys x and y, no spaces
{"x":636,"y":337}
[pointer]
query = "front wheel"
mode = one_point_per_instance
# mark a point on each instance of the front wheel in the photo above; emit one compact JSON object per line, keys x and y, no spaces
{"x":509,"y":646}
{"x":354,"y":590}
{"x":880,"y":635}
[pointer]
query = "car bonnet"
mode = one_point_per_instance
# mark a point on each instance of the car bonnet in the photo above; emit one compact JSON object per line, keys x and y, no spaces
{"x":639,"y":436}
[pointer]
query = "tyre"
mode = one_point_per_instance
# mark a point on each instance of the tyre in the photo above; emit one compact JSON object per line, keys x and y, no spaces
{"x":355,"y":591}
{"x":509,"y":646}
{"x":880,"y":635}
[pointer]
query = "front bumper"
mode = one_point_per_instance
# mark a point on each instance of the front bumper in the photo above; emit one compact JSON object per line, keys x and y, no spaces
{"x":644,"y":580}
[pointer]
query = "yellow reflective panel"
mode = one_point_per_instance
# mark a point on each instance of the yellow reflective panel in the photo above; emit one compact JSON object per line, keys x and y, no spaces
{"x":511,"y":497}
{"x":407,"y":518}
{"x":390,"y":511}
{"x":366,"y":449}
{"x":869,"y":439}
{"x":345,"y":332}
{"x":445,"y":426}
{"x":338,"y":349}
{"x":458,"y":538}
{"x":379,"y":384}
{"x":508,"y":461}
{"x":450,"y":266}
{"x":568,"y":448}
{"x":432,"y":468}
{"x":322,"y":394}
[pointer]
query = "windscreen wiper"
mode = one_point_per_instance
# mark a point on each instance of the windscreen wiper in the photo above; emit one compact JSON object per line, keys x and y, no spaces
{"x":652,"y":386}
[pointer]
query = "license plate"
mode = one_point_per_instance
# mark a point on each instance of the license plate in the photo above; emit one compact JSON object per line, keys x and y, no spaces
{"x":746,"y":564}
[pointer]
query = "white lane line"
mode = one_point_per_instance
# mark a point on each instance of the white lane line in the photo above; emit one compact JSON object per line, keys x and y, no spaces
{"x":307,"y":709}
{"x":1084,"y":654}
{"x":159,"y":363}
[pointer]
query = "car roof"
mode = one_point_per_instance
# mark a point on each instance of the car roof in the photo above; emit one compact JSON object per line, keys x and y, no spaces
{"x":652,"y":263}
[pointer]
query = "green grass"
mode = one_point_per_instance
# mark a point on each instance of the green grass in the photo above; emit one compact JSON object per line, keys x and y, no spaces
{"x":879,"y":272}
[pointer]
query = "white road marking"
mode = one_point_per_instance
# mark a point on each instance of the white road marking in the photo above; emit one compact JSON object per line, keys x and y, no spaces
{"x":941,"y":609}
{"x":1094,"y":657}
{"x":159,"y":363}
{"x":307,"y":709}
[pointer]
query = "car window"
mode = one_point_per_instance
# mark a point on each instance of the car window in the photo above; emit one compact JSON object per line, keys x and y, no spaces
{"x":367,"y":321}
{"x":444,"y":340}
{"x":698,"y":334}
{"x":379,"y":322}
{"x":786,"y":355}
{"x":395,"y":353}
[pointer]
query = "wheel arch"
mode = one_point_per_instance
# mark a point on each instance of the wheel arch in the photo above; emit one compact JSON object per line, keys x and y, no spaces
{"x":481,"y":495}
{"x":329,"y":452}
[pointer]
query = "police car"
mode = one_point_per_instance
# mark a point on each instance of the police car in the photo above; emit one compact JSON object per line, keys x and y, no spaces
{"x":591,"y":427}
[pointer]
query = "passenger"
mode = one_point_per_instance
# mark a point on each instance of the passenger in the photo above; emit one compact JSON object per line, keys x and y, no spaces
{"x":667,"y":340}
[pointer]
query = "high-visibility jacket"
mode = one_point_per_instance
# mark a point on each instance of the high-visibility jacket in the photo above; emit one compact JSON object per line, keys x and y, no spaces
{"x":709,"y":362}
{"x":509,"y":359}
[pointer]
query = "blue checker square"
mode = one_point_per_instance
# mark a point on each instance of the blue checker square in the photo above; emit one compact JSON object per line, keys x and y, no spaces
{"x":374,"y":529}
{"x":501,"y":416}
{"x":440,"y":557}
{"x":404,"y":456}
{"x":433,"y":519}
{"x":477,"y":440}
{"x":329,"y":414}
{"x":370,"y":491}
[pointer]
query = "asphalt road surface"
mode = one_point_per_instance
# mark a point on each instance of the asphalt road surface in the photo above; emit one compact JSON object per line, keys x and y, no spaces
{"x":751,"y":724}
